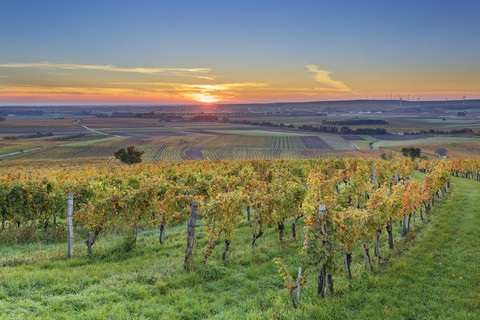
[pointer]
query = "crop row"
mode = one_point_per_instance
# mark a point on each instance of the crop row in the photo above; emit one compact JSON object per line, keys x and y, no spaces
{"x":345,"y":203}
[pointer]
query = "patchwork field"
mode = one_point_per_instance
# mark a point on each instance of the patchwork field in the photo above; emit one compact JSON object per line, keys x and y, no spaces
{"x":97,"y":138}
{"x":180,"y":141}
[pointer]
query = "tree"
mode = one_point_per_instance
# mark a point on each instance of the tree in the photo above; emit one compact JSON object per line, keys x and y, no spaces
{"x":442,"y":152}
{"x":129,"y":156}
{"x":411,"y":152}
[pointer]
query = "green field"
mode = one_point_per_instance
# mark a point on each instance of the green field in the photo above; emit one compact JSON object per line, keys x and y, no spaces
{"x":431,"y":275}
{"x":261,"y":133}
{"x":163,"y":141}
{"x":436,"y":139}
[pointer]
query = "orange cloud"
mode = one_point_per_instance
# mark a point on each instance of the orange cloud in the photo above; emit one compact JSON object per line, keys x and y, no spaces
{"x":133,"y":92}
{"x":110,"y":68}
{"x":323,"y":77}
{"x":200,"y":92}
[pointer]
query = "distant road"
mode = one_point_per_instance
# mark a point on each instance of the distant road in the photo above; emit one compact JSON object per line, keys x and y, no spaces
{"x":77,"y":122}
{"x":18,"y":152}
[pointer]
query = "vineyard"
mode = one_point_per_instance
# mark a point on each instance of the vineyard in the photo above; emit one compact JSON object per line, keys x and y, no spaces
{"x":333,"y":210}
{"x":178,"y":153}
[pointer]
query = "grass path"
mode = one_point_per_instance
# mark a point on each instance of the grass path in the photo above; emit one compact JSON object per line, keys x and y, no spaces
{"x":439,"y":278}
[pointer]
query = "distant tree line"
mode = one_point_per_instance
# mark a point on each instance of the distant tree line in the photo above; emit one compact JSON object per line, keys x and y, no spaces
{"x":29,"y":136}
{"x":66,"y":138}
{"x":354,"y":122}
{"x":3,"y":119}
{"x":198,"y":116}
{"x":204,"y":118}
{"x":323,"y":129}
{"x":347,"y":130}
{"x":454,"y":131}
{"x":23,"y":112}
{"x":167,"y":117}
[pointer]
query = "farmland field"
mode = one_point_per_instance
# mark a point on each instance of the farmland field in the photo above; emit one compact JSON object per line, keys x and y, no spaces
{"x":173,"y":141}
{"x":100,"y":138}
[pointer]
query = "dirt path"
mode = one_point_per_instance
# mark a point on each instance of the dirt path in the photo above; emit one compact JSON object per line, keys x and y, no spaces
{"x":195,"y":153}
{"x":19,"y":152}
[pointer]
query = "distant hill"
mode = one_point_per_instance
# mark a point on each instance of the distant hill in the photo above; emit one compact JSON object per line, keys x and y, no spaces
{"x":274,"y":108}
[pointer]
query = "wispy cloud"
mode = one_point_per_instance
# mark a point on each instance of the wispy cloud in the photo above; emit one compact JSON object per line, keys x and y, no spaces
{"x":111,"y":68}
{"x":36,"y":90}
{"x":323,"y":77}
{"x":155,"y":91}
{"x":183,"y":86}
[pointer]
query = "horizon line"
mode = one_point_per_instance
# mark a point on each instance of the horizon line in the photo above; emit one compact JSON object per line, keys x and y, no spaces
{"x":172,"y":104}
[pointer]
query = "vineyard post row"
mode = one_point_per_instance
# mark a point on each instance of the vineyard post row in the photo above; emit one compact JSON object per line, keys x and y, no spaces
{"x":360,"y":198}
{"x":70,"y":224}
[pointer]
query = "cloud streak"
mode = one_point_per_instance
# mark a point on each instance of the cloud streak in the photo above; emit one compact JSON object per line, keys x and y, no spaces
{"x":323,"y":77}
{"x":160,"y":86}
{"x":111,"y":68}
{"x":155,"y":91}
{"x":183,"y":86}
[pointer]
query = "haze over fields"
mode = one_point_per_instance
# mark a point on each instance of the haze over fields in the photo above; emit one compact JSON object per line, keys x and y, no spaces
{"x":183,"y":52}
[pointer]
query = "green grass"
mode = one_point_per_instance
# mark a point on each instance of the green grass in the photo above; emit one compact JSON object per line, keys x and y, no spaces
{"x":433,"y":275}
{"x":437,"y":139}
{"x":261,"y":133}
{"x":89,"y":142}
{"x":439,"y":277}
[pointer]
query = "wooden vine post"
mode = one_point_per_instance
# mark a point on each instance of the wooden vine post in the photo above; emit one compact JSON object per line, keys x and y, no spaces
{"x":378,"y":232}
{"x":389,"y":225}
{"x":70,"y":224}
{"x":299,"y":278}
{"x":374,"y":176}
{"x":322,"y":273}
{"x":191,"y":235}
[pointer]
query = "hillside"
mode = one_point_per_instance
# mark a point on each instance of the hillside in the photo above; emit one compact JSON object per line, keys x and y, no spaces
{"x":433,"y":274}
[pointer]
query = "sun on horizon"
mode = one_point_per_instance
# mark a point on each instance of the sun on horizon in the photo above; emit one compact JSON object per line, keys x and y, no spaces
{"x":205,"y":98}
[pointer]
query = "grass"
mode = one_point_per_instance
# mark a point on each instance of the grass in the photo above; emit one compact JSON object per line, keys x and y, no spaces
{"x":432,"y":275}
{"x":438,"y":277}
{"x":429,"y":140}
{"x":261,"y":132}
{"x":454,"y":149}
{"x":89,"y":142}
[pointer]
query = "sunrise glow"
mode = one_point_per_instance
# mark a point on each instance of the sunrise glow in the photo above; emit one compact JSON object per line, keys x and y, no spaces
{"x":205,"y":98}
{"x":238,"y":52}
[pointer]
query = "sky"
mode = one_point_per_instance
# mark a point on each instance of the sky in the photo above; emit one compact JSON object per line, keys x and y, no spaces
{"x":168,"y":52}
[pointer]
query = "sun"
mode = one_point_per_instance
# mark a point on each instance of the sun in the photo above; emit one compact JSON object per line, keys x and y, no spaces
{"x":205,"y":98}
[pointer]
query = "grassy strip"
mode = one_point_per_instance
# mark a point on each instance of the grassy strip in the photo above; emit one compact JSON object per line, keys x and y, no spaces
{"x":428,"y":140}
{"x":89,"y":142}
{"x":436,"y":278}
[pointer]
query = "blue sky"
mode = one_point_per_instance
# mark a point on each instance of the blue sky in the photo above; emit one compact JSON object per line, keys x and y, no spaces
{"x":253,"y":50}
